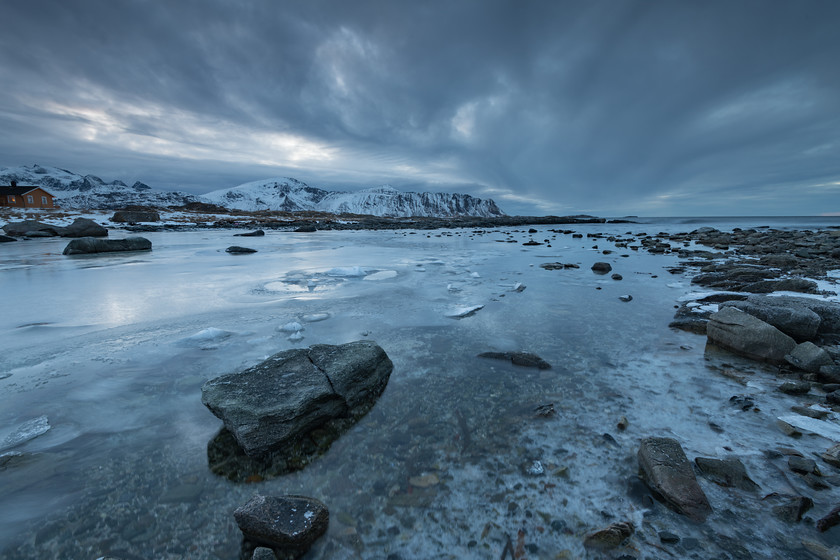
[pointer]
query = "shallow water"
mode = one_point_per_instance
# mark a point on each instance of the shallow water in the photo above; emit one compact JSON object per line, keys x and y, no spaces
{"x":113,"y":350}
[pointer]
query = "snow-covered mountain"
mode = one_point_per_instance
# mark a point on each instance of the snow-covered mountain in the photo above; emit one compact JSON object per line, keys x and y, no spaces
{"x":291,"y":195}
{"x":74,"y":191}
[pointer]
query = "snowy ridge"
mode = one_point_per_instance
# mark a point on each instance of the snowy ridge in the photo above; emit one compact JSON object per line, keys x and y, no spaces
{"x":74,"y":191}
{"x":292,"y":195}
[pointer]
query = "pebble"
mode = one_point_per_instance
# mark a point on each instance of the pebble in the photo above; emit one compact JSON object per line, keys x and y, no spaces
{"x":666,"y":537}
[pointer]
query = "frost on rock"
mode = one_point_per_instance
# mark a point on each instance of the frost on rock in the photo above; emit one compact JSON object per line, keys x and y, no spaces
{"x":27,"y":431}
{"x":828,"y":430}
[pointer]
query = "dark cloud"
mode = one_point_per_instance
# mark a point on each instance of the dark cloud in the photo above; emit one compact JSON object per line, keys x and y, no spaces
{"x":648,"y":107}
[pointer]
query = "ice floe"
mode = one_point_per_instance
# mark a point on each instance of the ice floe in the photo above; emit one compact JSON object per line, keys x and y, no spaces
{"x":382,"y":275}
{"x":461,"y":312}
{"x":205,"y":337}
{"x":291,"y":327}
{"x":25,"y":432}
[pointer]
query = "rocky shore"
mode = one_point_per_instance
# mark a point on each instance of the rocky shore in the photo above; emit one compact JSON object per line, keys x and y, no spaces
{"x":763,"y":299}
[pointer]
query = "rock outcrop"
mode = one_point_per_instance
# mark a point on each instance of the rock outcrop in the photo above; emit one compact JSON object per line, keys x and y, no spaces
{"x":294,"y":392}
{"x":83,"y":227}
{"x":744,"y":334}
{"x":667,"y":471}
{"x":87,"y":245}
{"x":135,"y":216}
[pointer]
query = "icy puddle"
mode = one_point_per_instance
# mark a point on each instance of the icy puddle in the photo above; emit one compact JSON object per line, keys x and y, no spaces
{"x":105,"y":438}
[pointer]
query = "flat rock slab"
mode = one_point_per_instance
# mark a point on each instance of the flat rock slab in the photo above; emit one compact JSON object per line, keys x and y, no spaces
{"x":288,"y":523}
{"x":525,"y":359}
{"x":809,"y":357}
{"x":88,"y":245}
{"x":794,"y":320}
{"x":294,"y":392}
{"x":667,"y":471}
{"x":235,"y":249}
{"x":747,"y":335}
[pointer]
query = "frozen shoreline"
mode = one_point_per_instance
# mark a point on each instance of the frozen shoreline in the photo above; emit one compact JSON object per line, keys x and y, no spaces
{"x":118,"y":376}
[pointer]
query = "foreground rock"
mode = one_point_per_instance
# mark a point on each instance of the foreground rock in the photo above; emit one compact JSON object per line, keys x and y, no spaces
{"x":667,"y":471}
{"x":292,"y":393}
{"x":88,"y":245}
{"x":135,"y":216}
{"x":744,"y":334}
{"x":6,"y":239}
{"x":287,"y":524}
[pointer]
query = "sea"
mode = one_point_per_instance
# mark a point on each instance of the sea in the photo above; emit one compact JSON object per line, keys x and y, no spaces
{"x":104,"y":439}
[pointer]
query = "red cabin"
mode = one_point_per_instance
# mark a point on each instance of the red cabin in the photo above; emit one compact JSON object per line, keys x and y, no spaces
{"x":25,"y":197}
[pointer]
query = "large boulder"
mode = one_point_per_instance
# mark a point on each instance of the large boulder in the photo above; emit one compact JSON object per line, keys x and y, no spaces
{"x":287,"y":524}
{"x":19,"y":229}
{"x":296,"y":391}
{"x":83,"y":227}
{"x":667,"y":471}
{"x":795,"y":320}
{"x":87,"y":245}
{"x":135,"y":216}
{"x":827,"y":311}
{"x":744,"y":334}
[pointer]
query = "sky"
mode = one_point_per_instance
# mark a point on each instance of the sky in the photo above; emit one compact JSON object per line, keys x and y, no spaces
{"x":606,"y":107}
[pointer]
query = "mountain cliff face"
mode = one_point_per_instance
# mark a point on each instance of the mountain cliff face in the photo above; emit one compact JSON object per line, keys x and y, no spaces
{"x":74,"y":191}
{"x":292,"y":195}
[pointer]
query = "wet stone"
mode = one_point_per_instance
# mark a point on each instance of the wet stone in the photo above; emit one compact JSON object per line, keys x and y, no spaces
{"x":801,"y":465}
{"x":795,"y":387}
{"x":288,"y":523}
{"x":609,"y":537}
{"x":666,"y":537}
{"x":788,"y":508}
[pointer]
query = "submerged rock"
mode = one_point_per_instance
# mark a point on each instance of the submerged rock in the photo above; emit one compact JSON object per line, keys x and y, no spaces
{"x":788,"y":508}
{"x":89,"y":245}
{"x":6,"y":239}
{"x":292,"y":393}
{"x":744,"y":334}
{"x":609,"y":537}
{"x":666,"y":470}
{"x":525,"y":359}
{"x":726,"y":472}
{"x":287,"y":524}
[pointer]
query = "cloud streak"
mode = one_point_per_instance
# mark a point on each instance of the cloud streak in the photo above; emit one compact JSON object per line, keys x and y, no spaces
{"x":550,"y":107}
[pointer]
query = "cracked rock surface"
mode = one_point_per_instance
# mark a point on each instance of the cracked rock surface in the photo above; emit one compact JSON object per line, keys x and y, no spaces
{"x":294,"y":392}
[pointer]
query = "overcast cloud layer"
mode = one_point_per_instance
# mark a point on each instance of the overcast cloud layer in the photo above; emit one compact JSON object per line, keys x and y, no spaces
{"x":609,"y":107}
